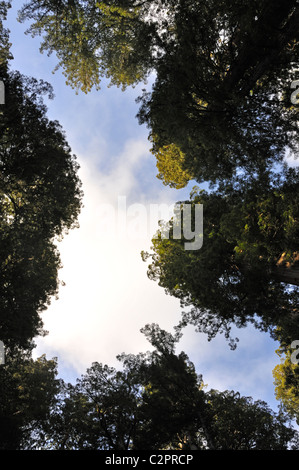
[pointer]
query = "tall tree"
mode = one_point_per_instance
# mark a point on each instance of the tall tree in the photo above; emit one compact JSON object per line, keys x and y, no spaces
{"x":28,"y":393}
{"x":247,"y":268}
{"x":240,"y":423}
{"x":286,"y":378}
{"x":223,"y":72}
{"x":95,"y":39}
{"x":172,"y":411}
{"x":5,"y":54}
{"x":222,"y":96}
{"x":157,"y":401}
{"x":41,"y":199}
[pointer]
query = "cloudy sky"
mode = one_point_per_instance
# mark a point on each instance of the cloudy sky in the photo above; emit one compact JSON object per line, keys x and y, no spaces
{"x":108,"y":297}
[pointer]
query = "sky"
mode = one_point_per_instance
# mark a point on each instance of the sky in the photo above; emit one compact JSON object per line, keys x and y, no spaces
{"x":107,"y":297}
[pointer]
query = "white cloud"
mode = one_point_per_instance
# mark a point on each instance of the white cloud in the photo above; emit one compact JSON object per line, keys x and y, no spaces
{"x":107,"y":297}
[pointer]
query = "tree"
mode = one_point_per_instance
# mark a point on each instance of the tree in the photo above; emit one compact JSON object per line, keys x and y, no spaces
{"x":41,"y":199}
{"x":247,"y":268}
{"x":5,"y":54}
{"x":222,"y":95}
{"x":95,"y":39}
{"x":100,"y":412}
{"x":286,"y":380}
{"x":170,"y":161}
{"x":37,"y":167}
{"x":172,"y":411}
{"x":223,"y":71}
{"x":157,"y":401}
{"x":240,"y":423}
{"x":28,"y":393}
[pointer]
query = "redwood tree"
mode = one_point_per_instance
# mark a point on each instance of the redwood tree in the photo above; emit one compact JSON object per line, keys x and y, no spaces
{"x":247,"y":268}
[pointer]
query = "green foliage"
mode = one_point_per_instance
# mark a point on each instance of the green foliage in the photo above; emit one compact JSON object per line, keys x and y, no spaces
{"x":93,"y":40}
{"x":170,"y":161}
{"x":201,"y":100}
{"x":219,"y":107}
{"x":170,"y":402}
{"x":40,"y":195}
{"x":286,"y":381}
{"x":99,"y":413}
{"x":156,"y":401}
{"x":240,"y":423}
{"x":5,"y":54}
{"x":28,"y":392}
{"x":222,"y":74}
{"x":37,"y":167}
{"x":235,"y":277}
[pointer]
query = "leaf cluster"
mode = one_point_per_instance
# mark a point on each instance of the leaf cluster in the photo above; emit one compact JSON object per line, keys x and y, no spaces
{"x":41,"y":199}
{"x":236,"y":277}
{"x":155,"y":401}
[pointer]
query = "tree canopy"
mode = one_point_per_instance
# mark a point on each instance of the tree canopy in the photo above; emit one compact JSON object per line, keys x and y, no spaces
{"x":222,"y":74}
{"x":286,"y":378}
{"x":247,"y":268}
{"x":5,"y":54}
{"x":95,"y":39}
{"x":41,"y":199}
{"x":154,"y":400}
{"x":222,"y":95}
{"x":219,"y":110}
{"x":29,"y":391}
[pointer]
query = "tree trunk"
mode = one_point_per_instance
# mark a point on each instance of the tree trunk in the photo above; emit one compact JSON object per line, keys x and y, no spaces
{"x":287,"y":272}
{"x":284,"y":271}
{"x":269,"y":35}
{"x":287,"y":275}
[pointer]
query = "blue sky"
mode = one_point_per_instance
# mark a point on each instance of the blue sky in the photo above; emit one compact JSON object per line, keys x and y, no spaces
{"x":108,"y":297}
